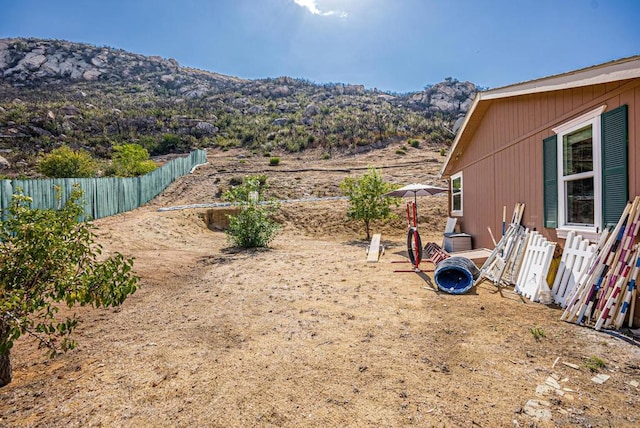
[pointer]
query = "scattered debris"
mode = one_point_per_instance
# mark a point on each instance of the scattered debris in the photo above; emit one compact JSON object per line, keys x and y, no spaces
{"x":600,"y":378}
{"x":573,"y":366}
{"x":538,"y":409}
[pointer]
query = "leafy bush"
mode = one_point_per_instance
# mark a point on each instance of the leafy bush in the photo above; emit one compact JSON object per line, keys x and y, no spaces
{"x":171,"y":143}
{"x":50,"y":258}
{"x":253,"y":226}
{"x":275,"y":161}
{"x":64,"y":162}
{"x":130,"y":160}
{"x":414,"y":143}
{"x":366,"y":198}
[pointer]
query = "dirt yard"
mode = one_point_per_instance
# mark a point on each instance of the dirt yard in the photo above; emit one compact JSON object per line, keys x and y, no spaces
{"x":307,"y":333}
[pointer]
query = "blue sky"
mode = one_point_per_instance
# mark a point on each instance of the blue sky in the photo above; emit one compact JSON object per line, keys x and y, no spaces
{"x":392,"y":45}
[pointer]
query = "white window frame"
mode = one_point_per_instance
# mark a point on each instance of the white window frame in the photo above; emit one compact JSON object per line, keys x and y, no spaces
{"x":590,"y":118}
{"x":455,"y":177}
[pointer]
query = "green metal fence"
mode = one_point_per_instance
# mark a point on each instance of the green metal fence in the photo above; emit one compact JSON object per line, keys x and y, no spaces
{"x":103,"y":196}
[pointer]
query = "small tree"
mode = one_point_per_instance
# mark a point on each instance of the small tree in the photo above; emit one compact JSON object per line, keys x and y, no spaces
{"x":49,"y":258}
{"x":64,"y":162}
{"x":366,"y":198}
{"x":253,"y":226}
{"x":131,"y":160}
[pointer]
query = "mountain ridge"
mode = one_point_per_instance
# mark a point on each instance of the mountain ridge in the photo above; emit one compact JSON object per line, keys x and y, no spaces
{"x":55,"y":92}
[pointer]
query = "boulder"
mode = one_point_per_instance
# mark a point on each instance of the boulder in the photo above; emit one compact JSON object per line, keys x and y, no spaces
{"x":4,"y":55}
{"x":4,"y":164}
{"x":32,"y":61}
{"x":69,"y":110}
{"x":91,"y":75}
{"x":280,"y":91}
{"x":311,"y":110}
{"x":206,"y":128}
{"x":99,"y":61}
{"x":255,"y":110}
{"x":241,"y":103}
{"x":281,"y":121}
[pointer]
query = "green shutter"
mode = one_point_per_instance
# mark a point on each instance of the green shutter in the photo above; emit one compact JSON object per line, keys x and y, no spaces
{"x":550,"y":166}
{"x":615,"y":187}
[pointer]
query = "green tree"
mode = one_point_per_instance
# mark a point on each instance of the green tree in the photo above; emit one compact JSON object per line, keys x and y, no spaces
{"x":49,"y":258}
{"x":64,"y":162}
{"x":131,"y":160}
{"x":366,"y":198}
{"x":253,"y":226}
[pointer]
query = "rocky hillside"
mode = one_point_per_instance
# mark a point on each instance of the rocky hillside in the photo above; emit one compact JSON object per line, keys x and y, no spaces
{"x":56,"y":92}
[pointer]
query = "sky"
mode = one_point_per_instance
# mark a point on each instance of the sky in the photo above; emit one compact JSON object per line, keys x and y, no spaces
{"x":392,"y":45}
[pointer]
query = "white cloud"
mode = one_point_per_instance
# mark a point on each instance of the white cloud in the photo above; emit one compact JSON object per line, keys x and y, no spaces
{"x":312,"y":6}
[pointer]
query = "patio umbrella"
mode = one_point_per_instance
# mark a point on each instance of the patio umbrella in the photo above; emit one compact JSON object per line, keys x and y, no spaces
{"x":414,"y":244}
{"x":416,"y":190}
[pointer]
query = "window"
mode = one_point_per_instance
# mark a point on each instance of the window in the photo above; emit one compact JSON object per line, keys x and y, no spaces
{"x":585,"y":172}
{"x":456,"y":194}
{"x":579,"y":196}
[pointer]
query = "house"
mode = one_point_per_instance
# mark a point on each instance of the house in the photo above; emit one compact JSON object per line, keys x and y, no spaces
{"x":568,"y":146}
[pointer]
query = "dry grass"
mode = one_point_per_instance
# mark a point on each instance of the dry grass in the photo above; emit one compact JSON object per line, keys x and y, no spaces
{"x":307,"y":333}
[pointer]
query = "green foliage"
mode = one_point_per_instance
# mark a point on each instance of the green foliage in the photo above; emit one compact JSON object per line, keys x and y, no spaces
{"x":48,"y":258}
{"x":366,"y":198}
{"x":171,"y":143}
{"x":538,"y":333}
{"x":594,"y":363}
{"x":414,"y":143}
{"x":131,"y":160}
{"x":443,"y":151}
{"x":253,"y":226}
{"x":64,"y":162}
{"x":275,"y":161}
{"x":401,"y":151}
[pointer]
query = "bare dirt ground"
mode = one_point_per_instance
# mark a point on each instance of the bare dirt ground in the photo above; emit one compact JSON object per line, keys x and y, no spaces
{"x":307,"y":333}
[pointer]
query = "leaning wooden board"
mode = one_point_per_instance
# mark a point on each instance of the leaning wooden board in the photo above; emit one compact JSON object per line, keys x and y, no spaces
{"x":374,"y":249}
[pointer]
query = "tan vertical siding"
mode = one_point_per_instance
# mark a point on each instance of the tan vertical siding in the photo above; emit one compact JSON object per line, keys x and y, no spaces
{"x":634,"y":143}
{"x":502,"y":164}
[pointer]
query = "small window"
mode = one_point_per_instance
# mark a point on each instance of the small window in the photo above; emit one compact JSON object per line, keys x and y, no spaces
{"x":456,"y":194}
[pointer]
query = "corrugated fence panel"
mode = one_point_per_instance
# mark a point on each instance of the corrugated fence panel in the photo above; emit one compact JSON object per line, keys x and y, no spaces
{"x":106,"y":196}
{"x":6,"y":192}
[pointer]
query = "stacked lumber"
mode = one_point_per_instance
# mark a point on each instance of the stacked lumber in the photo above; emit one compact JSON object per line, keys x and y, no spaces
{"x":604,"y":296}
{"x":501,"y":267}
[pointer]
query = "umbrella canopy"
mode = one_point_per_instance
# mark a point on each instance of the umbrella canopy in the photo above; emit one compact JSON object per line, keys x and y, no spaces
{"x":416,"y":189}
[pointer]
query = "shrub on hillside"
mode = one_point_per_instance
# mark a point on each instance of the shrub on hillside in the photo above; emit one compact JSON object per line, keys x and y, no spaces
{"x":130,"y":160}
{"x":275,"y":161}
{"x":64,"y":162}
{"x":253,"y":226}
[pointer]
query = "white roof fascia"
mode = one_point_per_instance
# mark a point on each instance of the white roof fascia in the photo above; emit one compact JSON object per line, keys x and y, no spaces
{"x":604,"y":73}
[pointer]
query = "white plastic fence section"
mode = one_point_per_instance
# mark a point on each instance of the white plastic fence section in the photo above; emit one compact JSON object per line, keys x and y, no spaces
{"x":532,"y":278}
{"x":576,"y":260}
